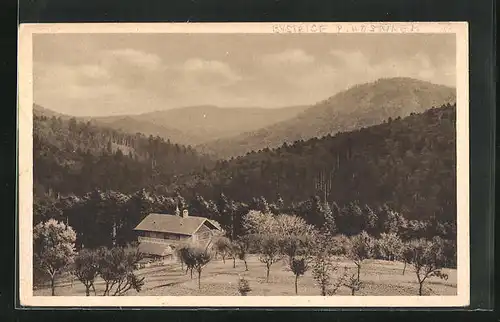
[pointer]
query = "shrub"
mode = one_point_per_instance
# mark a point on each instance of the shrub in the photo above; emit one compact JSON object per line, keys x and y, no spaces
{"x":243,"y":287}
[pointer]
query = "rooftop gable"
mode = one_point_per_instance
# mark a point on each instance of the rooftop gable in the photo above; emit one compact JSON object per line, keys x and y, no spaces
{"x":172,"y":224}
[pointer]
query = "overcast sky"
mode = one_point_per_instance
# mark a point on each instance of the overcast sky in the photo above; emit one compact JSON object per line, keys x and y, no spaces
{"x":109,"y":74}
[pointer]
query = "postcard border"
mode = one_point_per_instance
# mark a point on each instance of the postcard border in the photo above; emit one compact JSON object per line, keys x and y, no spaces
{"x":25,"y":161}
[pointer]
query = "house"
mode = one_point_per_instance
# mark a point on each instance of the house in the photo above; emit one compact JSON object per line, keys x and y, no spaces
{"x":160,"y":234}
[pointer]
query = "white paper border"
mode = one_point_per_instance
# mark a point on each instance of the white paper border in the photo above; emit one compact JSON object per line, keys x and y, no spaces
{"x":25,"y":159}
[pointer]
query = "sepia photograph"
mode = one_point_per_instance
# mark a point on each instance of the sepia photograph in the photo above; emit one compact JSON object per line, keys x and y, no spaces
{"x":301,"y":164}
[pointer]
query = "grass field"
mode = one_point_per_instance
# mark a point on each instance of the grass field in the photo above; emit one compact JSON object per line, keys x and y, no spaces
{"x":219,"y":279}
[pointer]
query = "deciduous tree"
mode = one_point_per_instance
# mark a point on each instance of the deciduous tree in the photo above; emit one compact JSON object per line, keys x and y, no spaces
{"x":324,"y":265}
{"x":53,"y":248}
{"x":116,"y":267}
{"x":427,"y":258}
{"x":389,"y":246}
{"x":86,"y":268}
{"x":223,"y":247}
{"x":270,"y":251}
{"x":299,"y":267}
{"x":353,"y":283}
{"x":201,"y":257}
{"x":359,"y":248}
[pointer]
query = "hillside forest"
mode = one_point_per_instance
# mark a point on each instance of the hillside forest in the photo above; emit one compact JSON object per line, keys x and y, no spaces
{"x":398,"y":176}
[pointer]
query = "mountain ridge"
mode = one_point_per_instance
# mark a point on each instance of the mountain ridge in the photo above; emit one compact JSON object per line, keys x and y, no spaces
{"x":362,"y":105}
{"x":191,"y":125}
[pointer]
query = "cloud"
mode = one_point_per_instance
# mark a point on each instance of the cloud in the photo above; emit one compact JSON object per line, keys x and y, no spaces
{"x":350,"y":59}
{"x":110,"y":81}
{"x":53,"y":80}
{"x":61,"y":75}
{"x":419,"y":66}
{"x":289,"y":56}
{"x":195,"y":66}
{"x":135,"y":57}
{"x":347,"y":68}
{"x":93,"y":71}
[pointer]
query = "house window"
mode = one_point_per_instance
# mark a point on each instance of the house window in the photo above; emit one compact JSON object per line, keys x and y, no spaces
{"x":153,"y":234}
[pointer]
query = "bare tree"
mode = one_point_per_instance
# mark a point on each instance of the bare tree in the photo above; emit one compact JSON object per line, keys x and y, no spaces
{"x":323,"y":183}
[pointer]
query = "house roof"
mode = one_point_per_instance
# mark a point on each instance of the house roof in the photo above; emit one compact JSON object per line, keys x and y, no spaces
{"x":172,"y":224}
{"x":155,"y":249}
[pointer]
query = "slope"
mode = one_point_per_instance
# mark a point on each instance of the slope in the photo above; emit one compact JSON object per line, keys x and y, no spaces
{"x":197,"y":124}
{"x":77,"y":157}
{"x":360,"y":106}
{"x":407,"y":163}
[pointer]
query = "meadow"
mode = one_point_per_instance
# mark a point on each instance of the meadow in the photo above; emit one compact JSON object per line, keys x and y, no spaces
{"x":379,"y":277}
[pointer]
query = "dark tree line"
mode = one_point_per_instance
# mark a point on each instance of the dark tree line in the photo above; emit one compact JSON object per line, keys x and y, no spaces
{"x":107,"y":218}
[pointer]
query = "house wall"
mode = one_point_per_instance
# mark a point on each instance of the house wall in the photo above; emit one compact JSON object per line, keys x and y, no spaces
{"x":203,"y":235}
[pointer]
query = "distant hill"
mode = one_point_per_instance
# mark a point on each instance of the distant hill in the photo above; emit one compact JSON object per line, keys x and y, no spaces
{"x":360,"y":106}
{"x":71,"y":156}
{"x":197,"y":124}
{"x":408,"y":163}
{"x":42,"y":111}
{"x":127,"y":123}
{"x":132,"y":124}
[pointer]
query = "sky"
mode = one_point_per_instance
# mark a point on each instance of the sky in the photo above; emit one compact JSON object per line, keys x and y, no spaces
{"x":111,"y":74}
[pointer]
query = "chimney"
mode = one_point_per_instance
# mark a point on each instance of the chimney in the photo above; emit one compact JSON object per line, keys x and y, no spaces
{"x":184,"y":213}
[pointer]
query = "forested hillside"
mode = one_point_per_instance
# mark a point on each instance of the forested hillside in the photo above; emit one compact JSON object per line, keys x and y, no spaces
{"x":360,"y":106}
{"x":409,"y":163}
{"x":77,"y":157}
{"x":399,"y":176}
